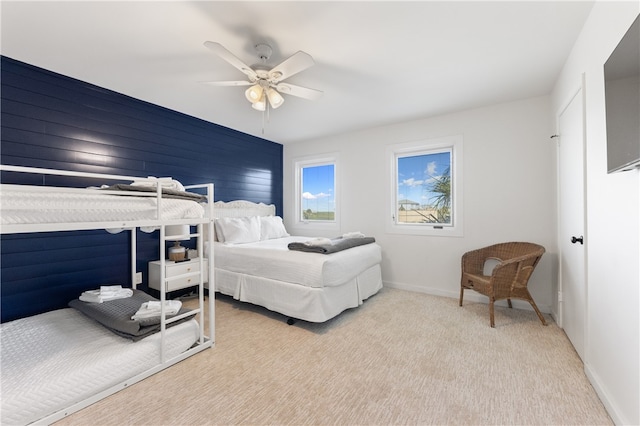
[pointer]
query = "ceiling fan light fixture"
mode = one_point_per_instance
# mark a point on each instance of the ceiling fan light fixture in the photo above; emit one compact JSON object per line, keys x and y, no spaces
{"x":254,"y":93}
{"x":265,"y":85}
{"x":260,"y":105}
{"x":275,"y":99}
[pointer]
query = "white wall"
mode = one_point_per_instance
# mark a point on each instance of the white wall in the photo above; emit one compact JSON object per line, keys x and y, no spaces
{"x":612,"y":237}
{"x":508,"y":189}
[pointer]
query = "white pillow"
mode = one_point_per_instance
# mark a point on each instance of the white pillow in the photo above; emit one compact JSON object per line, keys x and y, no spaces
{"x":272,"y":227}
{"x":236,"y":230}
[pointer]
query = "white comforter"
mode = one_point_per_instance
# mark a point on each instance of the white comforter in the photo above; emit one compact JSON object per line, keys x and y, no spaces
{"x":273,"y":260}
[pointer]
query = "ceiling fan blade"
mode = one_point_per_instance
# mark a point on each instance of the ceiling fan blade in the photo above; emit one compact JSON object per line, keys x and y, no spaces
{"x":222,"y":52}
{"x":299,"y":91}
{"x":229,"y":83}
{"x":295,"y":63}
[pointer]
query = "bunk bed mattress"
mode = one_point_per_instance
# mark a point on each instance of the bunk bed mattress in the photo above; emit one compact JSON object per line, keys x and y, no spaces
{"x":36,"y":205}
{"x":273,"y":260}
{"x":53,"y":360}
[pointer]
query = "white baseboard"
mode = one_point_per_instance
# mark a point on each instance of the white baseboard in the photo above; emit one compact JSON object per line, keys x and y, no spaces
{"x":607,"y":401}
{"x":471,"y":296}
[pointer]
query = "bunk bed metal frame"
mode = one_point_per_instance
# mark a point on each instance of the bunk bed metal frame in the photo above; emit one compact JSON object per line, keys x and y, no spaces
{"x":203,"y":233}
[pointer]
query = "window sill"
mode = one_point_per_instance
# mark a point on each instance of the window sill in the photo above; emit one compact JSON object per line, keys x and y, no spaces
{"x":425,"y":230}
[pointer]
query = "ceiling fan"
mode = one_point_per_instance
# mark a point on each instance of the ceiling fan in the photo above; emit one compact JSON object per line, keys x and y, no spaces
{"x":267,"y":84}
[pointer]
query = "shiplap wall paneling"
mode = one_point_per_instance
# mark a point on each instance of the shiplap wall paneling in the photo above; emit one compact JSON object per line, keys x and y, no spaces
{"x":53,"y":121}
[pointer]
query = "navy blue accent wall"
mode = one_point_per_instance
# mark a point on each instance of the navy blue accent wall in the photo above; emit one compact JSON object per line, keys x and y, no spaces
{"x":53,"y":121}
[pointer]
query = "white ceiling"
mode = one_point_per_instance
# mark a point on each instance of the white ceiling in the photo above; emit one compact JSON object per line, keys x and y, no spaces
{"x":376,"y":62}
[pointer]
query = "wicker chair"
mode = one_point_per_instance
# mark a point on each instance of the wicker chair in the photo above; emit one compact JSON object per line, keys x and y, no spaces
{"x":509,"y":278}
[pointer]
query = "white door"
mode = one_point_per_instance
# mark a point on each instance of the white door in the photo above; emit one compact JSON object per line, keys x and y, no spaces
{"x":571,"y":199}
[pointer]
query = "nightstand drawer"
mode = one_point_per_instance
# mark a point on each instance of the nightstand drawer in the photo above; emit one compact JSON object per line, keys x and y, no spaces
{"x":179,"y":275}
{"x":181,"y":268}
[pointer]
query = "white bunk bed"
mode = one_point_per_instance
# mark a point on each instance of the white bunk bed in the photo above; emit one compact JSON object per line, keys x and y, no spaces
{"x":66,"y":361}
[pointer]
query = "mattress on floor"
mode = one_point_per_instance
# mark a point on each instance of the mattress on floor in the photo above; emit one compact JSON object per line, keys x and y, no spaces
{"x":53,"y":360}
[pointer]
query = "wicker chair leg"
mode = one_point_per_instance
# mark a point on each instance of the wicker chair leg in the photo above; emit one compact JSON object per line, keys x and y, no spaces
{"x":461,"y":294}
{"x":535,"y":308}
{"x":509,"y":302}
{"x":493,"y":324}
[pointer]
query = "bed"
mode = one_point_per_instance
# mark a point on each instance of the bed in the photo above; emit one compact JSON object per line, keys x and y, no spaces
{"x":257,"y":266}
{"x":58,"y":362}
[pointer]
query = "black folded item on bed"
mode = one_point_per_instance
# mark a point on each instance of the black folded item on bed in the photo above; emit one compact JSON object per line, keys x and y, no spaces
{"x":116,"y":315}
{"x":336,"y":245}
{"x":166,"y":192}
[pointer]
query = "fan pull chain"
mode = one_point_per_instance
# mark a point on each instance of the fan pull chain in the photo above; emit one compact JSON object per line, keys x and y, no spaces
{"x":266,"y":113}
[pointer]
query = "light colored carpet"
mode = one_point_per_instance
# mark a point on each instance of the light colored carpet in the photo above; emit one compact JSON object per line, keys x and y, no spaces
{"x":401,"y":358}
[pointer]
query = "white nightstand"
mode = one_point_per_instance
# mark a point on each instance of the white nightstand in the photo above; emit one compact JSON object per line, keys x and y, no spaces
{"x":180,"y":274}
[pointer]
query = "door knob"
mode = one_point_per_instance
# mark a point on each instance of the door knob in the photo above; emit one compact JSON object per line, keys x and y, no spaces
{"x":579,"y":239}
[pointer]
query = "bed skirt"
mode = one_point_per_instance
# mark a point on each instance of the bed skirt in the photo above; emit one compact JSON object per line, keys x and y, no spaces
{"x":296,"y":301}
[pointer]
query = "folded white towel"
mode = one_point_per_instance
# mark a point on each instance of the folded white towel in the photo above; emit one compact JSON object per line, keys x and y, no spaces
{"x":318,"y":242}
{"x":106,"y":293}
{"x":166,"y":182}
{"x":153,"y":309}
{"x":111,"y":289}
{"x":91,"y":296}
{"x":355,"y":234}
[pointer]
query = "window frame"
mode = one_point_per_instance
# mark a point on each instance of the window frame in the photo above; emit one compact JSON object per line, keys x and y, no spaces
{"x":425,"y":147}
{"x":315,"y":161}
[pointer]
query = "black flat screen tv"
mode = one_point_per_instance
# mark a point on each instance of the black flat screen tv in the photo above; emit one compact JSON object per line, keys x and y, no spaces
{"x":622,"y":102}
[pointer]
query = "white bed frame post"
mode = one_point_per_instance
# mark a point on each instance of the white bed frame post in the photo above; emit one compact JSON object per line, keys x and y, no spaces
{"x":163,"y":290}
{"x":134,"y":259}
{"x":211,"y":272}
{"x":201,"y":238}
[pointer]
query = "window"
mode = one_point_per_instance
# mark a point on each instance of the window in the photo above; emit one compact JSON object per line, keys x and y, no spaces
{"x":425,"y":188}
{"x":316,"y":190}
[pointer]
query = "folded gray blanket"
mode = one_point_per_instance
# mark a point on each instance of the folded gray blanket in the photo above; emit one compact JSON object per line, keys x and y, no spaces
{"x":166,"y":192}
{"x":116,"y":315}
{"x":336,"y":245}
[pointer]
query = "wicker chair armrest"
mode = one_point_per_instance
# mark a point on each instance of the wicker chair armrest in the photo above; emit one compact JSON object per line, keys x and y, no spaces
{"x":474,"y":260}
{"x":513,"y":273}
{"x":518,"y":259}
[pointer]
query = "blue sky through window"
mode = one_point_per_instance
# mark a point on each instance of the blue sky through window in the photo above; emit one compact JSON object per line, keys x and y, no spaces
{"x":416,"y":174}
{"x":318,"y":190}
